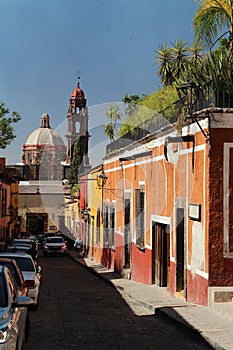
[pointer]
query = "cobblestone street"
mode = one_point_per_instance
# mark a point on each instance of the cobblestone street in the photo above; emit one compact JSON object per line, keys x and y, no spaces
{"x":78,"y":310}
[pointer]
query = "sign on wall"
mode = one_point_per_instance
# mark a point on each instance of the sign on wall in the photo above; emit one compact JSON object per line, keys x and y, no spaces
{"x":194,"y":211}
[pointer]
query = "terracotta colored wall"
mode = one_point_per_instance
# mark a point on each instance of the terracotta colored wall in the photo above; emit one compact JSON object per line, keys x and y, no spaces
{"x":220,"y":267}
{"x":172,"y":277}
{"x":197,"y":289}
{"x":141,"y":266}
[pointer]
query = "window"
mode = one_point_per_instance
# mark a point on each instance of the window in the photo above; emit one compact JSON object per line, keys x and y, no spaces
{"x":140,"y":203}
{"x":4,"y":196}
{"x":98,"y":227}
{"x":106,"y":229}
{"x":3,"y":294}
{"x":25,"y":264}
{"x":112,"y":227}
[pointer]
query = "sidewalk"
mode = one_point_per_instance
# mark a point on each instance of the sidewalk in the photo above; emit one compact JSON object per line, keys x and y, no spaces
{"x":216,"y":329}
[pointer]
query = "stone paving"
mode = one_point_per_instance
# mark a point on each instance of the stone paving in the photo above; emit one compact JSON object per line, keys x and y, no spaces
{"x":215,"y":328}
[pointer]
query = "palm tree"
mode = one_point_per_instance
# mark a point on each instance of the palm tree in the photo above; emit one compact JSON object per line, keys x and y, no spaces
{"x":180,"y":62}
{"x":113,"y":114}
{"x":164,"y":59}
{"x":211,"y":18}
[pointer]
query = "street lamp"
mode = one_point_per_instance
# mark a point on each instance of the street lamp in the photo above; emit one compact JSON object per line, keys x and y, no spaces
{"x":101,"y":179}
{"x":191,"y":91}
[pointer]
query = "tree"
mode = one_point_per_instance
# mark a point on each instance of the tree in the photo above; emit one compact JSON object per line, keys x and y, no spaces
{"x":7,"y":118}
{"x":76,"y":162}
{"x":131,"y":102}
{"x":174,"y":62}
{"x":211,"y":18}
{"x":148,"y":107}
{"x":164,"y":59}
{"x":180,"y":61}
{"x":113,"y":114}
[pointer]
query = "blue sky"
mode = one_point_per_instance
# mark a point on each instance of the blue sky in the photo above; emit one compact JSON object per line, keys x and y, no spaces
{"x":111,"y":42}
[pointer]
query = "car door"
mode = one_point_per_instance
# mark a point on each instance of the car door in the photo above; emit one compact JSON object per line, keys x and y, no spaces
{"x":18,"y":315}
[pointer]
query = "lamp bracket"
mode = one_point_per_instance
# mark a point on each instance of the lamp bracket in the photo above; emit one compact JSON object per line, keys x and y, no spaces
{"x":194,"y":117}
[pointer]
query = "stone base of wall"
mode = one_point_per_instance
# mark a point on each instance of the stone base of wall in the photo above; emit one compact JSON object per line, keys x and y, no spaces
{"x":221,"y":300}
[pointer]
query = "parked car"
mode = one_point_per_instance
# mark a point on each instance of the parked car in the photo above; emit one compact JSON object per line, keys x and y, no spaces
{"x":25,"y":242}
{"x":30,"y":271}
{"x":54,"y":245}
{"x":13,"y":313}
{"x":22,"y":285}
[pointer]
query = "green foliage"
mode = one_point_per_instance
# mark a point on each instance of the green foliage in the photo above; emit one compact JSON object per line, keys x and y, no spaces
{"x":76,"y":162}
{"x":148,"y":106}
{"x":109,"y":131}
{"x":211,"y":18}
{"x":220,"y":69}
{"x":131,"y":102}
{"x":75,"y":188}
{"x":178,"y":62}
{"x":7,"y":118}
{"x":113,"y":114}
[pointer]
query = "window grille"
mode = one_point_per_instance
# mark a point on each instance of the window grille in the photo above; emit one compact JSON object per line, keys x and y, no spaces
{"x":140,"y":204}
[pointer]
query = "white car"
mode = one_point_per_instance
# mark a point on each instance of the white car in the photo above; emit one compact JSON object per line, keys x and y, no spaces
{"x":54,"y":245}
{"x":13,"y":313}
{"x":30,"y":272}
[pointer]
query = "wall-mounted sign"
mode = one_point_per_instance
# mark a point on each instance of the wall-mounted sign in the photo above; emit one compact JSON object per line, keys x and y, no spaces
{"x":194,"y":211}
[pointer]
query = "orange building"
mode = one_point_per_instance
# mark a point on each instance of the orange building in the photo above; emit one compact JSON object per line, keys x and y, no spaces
{"x":167,"y":207}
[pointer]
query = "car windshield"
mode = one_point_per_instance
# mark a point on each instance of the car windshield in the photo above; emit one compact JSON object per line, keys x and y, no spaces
{"x":54,"y":240}
{"x":3,"y":294}
{"x":25,"y":264}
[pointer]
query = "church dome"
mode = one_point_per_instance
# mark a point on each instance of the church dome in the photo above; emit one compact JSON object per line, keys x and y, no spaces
{"x":78,"y":92}
{"x":44,"y":135}
{"x":43,"y":152}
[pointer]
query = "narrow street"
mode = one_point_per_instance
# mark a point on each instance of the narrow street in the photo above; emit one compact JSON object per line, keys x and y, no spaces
{"x":78,"y":310}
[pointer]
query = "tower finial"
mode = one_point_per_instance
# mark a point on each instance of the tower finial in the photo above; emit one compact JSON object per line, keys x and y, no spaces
{"x":78,"y":76}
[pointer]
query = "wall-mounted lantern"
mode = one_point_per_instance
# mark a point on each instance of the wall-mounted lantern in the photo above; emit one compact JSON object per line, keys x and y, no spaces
{"x":101,"y":179}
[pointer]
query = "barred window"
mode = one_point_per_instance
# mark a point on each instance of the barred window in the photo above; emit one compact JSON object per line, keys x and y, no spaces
{"x":140,"y":203}
{"x":112,"y":227}
{"x":98,"y":226}
{"x":106,"y":228}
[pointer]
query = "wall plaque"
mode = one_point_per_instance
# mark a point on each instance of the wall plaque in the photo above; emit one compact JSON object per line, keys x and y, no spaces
{"x":194,"y":211}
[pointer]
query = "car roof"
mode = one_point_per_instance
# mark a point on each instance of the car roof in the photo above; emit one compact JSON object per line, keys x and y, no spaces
{"x":21,"y":254}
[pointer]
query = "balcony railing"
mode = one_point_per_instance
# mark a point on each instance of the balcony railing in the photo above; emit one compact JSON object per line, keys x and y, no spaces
{"x":205,"y":97}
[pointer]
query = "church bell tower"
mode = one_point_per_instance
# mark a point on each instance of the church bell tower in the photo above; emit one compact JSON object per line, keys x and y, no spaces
{"x":77,"y":127}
